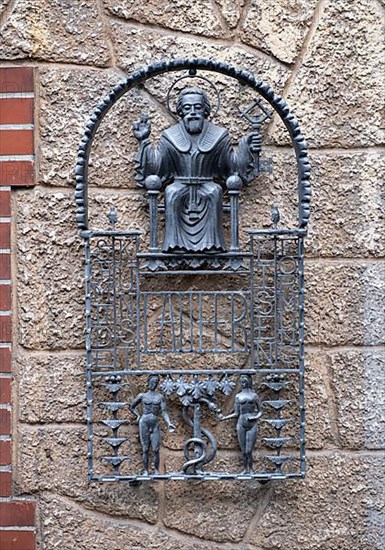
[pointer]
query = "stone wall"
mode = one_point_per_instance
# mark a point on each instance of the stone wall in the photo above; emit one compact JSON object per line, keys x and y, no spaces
{"x":327,"y":58}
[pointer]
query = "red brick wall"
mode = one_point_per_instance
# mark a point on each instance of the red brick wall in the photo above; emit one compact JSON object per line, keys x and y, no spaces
{"x":17,"y":162}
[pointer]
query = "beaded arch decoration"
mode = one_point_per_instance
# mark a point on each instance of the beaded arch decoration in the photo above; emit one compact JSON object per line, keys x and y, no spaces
{"x":141,"y":75}
{"x":147,"y":309}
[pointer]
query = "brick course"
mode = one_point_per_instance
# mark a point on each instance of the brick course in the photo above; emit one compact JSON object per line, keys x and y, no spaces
{"x":16,"y":111}
{"x":20,"y":513}
{"x":5,"y":359}
{"x":5,"y":422}
{"x":16,"y":80}
{"x":13,"y":141}
{"x":5,"y":298}
{"x":16,"y":142}
{"x":5,"y":390}
{"x":17,"y":540}
{"x":5,"y":235}
{"x":5,"y":266}
{"x":17,"y":173}
{"x":5,"y":486}
{"x":5,"y":452}
{"x":5,"y":202}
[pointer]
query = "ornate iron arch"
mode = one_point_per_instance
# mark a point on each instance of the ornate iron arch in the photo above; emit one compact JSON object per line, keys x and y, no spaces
{"x":141,"y":75}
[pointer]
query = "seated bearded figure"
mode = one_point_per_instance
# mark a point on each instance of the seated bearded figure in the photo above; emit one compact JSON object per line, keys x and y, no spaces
{"x":193,"y":159}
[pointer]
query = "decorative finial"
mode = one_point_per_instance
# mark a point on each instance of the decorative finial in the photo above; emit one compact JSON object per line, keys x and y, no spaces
{"x":112,"y":217}
{"x":275,"y":215}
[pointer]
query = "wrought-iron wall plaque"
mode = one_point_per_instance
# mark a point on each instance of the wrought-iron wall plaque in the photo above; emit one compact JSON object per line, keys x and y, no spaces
{"x":194,"y":337}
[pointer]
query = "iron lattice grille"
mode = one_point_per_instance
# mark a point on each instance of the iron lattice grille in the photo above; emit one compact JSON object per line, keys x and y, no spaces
{"x":140,"y":322}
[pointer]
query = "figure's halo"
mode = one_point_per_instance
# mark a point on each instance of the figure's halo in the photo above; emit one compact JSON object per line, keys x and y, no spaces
{"x":193,"y":75}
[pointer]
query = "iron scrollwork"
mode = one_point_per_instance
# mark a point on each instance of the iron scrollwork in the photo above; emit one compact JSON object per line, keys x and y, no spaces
{"x":244,"y":318}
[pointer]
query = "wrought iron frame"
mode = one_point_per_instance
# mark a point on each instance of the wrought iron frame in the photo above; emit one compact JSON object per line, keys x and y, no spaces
{"x":118,"y":254}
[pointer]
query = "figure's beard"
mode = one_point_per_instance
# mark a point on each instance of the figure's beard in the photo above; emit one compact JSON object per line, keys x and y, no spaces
{"x":193,"y":125}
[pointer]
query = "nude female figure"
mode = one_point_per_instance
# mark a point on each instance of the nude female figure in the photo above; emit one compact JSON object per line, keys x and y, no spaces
{"x":247,"y":408}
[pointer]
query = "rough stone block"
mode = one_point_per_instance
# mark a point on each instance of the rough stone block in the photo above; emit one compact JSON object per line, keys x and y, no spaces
{"x":50,"y":279}
{"x":344,"y":399}
{"x":345,"y":303}
{"x":75,"y":92}
{"x":278,"y":28}
{"x":180,"y":15}
{"x":358,"y":381}
{"x":53,"y":31}
{"x":50,"y":256}
{"x":339,"y":505}
{"x":114,"y":147}
{"x":51,"y":388}
{"x":135,"y":46}
{"x":218,"y":511}
{"x":319,"y":404}
{"x":47,"y":455}
{"x":55,"y":459}
{"x":231,"y":11}
{"x":338,"y":89}
{"x":3,"y":6}
{"x":348,"y":217}
{"x":69,"y":525}
{"x":279,"y":187}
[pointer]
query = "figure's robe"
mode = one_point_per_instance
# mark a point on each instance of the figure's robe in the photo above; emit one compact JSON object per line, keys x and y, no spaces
{"x":193,"y":199}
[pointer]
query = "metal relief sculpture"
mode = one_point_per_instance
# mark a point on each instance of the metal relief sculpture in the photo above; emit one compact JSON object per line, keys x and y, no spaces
{"x":235,"y":312}
{"x":247,"y":409}
{"x":193,"y":158}
{"x":153,"y":405}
